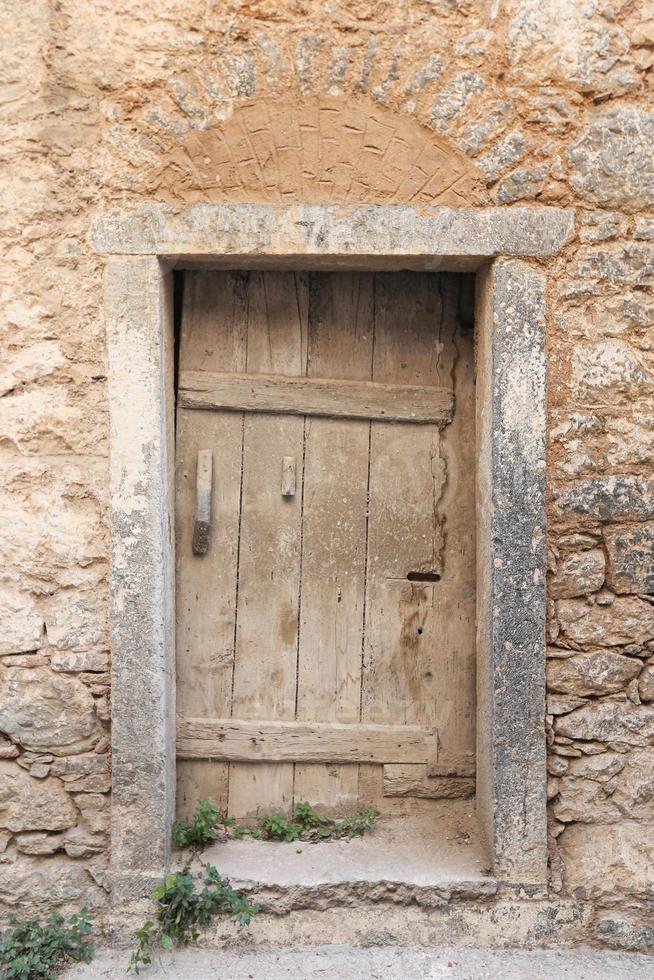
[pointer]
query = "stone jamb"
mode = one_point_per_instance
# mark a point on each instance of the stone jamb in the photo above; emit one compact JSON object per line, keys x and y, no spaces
{"x":141,"y":249}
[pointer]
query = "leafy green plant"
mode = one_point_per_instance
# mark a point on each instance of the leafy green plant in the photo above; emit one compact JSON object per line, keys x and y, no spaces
{"x":306,"y":824}
{"x":361,"y":823}
{"x":204,"y":828}
{"x":32,"y":950}
{"x":202,"y":831}
{"x":182,"y":911}
{"x":277,"y":827}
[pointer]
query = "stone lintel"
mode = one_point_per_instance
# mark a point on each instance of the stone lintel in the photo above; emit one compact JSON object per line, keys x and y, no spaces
{"x":261,"y":234}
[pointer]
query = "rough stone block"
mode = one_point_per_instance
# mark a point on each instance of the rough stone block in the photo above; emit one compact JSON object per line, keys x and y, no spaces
{"x":633,"y":264}
{"x":32,"y":886}
{"x":616,"y":859}
{"x":578,"y":574}
{"x":607,"y":498}
{"x":609,"y":721}
{"x":631,"y":557}
{"x":624,"y":621}
{"x":21,"y":623}
{"x":29,"y":804}
{"x":73,"y":661}
{"x":611,"y":368}
{"x":612,"y":162}
{"x":570,"y":43}
{"x":77,"y":620}
{"x":646,"y":683}
{"x":625,"y":931}
{"x":47,"y":712}
{"x":599,"y":672}
{"x":37,"y":843}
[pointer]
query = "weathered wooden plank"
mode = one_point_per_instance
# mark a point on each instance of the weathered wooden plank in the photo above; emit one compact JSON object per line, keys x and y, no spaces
{"x":401,"y":681}
{"x":454,"y":608}
{"x":334,"y":398}
{"x":297,"y":741}
{"x":265,"y":672}
{"x":413,"y":780}
{"x":214,"y":336}
{"x":334,"y":530}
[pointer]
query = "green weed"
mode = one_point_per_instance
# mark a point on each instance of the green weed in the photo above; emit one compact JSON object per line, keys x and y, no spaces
{"x":32,"y":950}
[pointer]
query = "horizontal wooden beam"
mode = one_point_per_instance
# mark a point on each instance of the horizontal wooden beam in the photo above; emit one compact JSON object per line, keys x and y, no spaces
{"x":411,"y":780}
{"x":316,"y":396}
{"x":296,"y":741}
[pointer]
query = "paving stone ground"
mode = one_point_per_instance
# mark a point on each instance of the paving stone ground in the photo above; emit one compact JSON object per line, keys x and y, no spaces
{"x":387,"y":963}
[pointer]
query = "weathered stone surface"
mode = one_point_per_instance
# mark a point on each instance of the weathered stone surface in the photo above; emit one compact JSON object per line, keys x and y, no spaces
{"x":646,"y":683}
{"x":52,"y":525}
{"x":35,"y":886}
{"x":74,"y":661}
{"x":611,"y":368}
{"x":30,"y":804}
{"x":79,"y":843}
{"x":454,"y":97}
{"x":32,"y":363}
{"x":80,"y":765}
{"x":522,"y":184}
{"x":609,"y":721}
{"x":21,"y":623}
{"x":578,"y":574}
{"x":607,"y":498}
{"x":612,"y":161}
{"x":631,"y":557}
{"x":633,"y":263}
{"x":47,"y":712}
{"x":599,"y":672}
{"x":52,"y":420}
{"x":510,"y":150}
{"x":95,"y":810}
{"x":624,"y":931}
{"x":584,"y":801}
{"x":616,"y":859}
{"x":608,"y":788}
{"x":306,"y":230}
{"x":76,"y":621}
{"x":93,"y":783}
{"x":37,"y":843}
{"x":573,"y":43}
{"x":644,"y":228}
{"x":626,"y":620}
{"x":600,"y":226}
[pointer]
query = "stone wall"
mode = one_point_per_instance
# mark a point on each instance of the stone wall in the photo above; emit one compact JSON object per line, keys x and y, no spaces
{"x":113,"y":105}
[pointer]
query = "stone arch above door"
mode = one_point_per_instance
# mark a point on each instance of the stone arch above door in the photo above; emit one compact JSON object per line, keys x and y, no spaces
{"x":323,"y":150}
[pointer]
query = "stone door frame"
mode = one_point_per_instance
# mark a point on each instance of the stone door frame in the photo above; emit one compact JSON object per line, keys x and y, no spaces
{"x":141,"y":249}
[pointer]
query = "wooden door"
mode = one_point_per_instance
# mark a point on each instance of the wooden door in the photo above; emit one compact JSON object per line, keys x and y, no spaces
{"x":325,"y":539}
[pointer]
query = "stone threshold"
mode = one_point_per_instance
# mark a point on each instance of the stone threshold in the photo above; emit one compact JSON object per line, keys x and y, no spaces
{"x":428,"y":858}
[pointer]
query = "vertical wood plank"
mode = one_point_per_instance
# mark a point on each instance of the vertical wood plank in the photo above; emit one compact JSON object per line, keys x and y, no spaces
{"x":405,"y":658}
{"x":334,"y":531}
{"x":455,"y":594}
{"x":213,"y":338}
{"x":270,"y":542}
